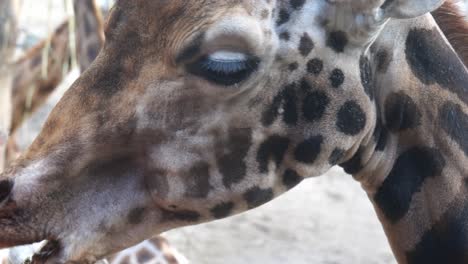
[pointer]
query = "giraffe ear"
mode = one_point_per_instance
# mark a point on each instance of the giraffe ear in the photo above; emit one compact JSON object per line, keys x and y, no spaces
{"x":409,"y":8}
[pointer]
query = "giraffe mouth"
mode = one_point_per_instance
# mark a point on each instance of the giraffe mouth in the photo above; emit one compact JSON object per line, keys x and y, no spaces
{"x":50,"y":250}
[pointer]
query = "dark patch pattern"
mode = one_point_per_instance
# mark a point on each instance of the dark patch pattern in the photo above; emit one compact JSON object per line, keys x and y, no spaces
{"x":275,"y":148}
{"x":433,"y":61}
{"x":305,"y":86}
{"x":336,"y":155}
{"x":314,"y":105}
{"x":446,"y":241}
{"x":383,"y":59}
{"x":291,"y":178}
{"x":5,"y":189}
{"x":283,"y":17}
{"x":315,"y":66}
{"x":293,"y":66}
{"x":387,"y":3}
{"x":380,"y":135}
{"x":366,"y":76}
{"x":144,"y":256}
{"x":136,"y":215}
{"x":285,"y":36}
{"x":354,"y":165}
{"x":231,"y":159}
{"x":156,"y":181}
{"x":410,"y":171}
{"x":309,"y":150}
{"x":182,"y":215}
{"x":351,"y":119}
{"x":401,"y":112}
{"x":337,"y":78}
{"x":287,"y":99}
{"x":297,"y":4}
{"x":115,"y":73}
{"x":337,"y":40}
{"x":265,"y":14}
{"x":257,"y":196}
{"x":306,"y":45}
{"x":222,"y":210}
{"x":455,"y":123}
{"x":198,"y":181}
{"x":290,"y":115}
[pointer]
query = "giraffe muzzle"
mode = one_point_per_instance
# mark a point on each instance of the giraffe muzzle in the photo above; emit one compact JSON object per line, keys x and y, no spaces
{"x":23,"y":220}
{"x":47,"y":252}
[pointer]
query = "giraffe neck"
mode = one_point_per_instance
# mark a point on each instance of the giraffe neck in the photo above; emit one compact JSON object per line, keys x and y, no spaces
{"x":414,"y":169}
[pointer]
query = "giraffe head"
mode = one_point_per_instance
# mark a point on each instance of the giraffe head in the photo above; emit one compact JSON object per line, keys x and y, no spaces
{"x":194,"y":111}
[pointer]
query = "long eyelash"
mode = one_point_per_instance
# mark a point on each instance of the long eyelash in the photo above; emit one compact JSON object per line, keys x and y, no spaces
{"x":223,"y":66}
{"x":227,"y":67}
{"x":224,"y":72}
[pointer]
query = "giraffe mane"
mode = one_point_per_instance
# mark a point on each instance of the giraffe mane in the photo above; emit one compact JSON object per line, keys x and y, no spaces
{"x":454,"y":25}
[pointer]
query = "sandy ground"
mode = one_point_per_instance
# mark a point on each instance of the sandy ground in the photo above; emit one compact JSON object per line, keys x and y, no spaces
{"x":327,"y":220}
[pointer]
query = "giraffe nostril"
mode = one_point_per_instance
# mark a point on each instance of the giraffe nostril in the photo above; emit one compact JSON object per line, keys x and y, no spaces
{"x":5,"y":189}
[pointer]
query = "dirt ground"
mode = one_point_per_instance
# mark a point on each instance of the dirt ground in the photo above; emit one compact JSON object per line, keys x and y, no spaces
{"x":327,"y":220}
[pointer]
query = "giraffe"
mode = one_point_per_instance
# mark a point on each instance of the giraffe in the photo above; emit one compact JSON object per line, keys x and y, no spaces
{"x":198,"y":110}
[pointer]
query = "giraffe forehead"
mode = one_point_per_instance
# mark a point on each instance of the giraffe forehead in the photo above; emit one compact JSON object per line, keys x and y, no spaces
{"x":254,"y":21}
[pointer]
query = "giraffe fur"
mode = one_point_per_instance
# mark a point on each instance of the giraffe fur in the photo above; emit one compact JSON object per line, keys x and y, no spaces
{"x":185,"y":119}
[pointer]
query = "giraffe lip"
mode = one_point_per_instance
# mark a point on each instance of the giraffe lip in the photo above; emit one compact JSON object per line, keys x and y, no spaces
{"x":51,"y":249}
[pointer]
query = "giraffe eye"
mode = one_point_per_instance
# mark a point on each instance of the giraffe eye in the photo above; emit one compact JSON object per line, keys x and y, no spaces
{"x":225,"y":67}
